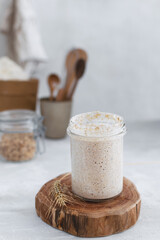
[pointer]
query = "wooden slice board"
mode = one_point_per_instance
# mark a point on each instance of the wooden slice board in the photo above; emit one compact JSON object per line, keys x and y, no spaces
{"x":90,"y":219}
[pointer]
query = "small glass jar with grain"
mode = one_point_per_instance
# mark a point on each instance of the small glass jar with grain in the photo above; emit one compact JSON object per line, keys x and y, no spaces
{"x":21,"y":135}
{"x":97,"y":155}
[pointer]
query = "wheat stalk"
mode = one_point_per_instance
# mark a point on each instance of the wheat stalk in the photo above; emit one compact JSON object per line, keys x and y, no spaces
{"x":59,"y":196}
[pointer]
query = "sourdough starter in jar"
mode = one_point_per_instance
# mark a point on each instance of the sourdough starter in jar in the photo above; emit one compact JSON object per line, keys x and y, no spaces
{"x":97,"y":155}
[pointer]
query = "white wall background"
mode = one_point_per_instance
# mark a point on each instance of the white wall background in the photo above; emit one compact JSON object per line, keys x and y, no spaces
{"x":122,"y":38}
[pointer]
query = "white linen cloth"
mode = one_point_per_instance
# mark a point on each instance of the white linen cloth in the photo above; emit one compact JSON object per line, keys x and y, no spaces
{"x":25,"y":43}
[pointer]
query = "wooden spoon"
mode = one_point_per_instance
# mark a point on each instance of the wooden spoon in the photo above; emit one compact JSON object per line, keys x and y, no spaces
{"x":71,"y":60}
{"x":53,"y":82}
{"x":79,"y":71}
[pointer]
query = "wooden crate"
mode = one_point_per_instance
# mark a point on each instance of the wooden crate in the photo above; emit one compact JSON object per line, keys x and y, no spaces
{"x":18,"y":94}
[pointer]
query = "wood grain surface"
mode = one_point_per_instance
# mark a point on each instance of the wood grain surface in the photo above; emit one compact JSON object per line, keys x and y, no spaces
{"x":15,"y":94}
{"x":91,"y":219}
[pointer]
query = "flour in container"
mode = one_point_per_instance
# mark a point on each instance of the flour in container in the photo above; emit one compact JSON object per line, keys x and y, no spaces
{"x":9,"y":70}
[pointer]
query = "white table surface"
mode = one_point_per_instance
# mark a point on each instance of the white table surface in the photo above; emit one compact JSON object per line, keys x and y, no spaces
{"x":19,"y":183}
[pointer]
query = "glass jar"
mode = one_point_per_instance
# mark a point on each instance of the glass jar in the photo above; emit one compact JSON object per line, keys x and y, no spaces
{"x":21,"y":135}
{"x":97,"y":155}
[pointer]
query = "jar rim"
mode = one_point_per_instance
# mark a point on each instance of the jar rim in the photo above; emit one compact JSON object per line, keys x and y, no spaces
{"x":96,"y":125}
{"x":19,"y":115}
{"x":17,"y":121}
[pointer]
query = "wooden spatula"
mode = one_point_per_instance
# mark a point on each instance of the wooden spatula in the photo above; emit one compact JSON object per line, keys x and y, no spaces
{"x":60,"y":95}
